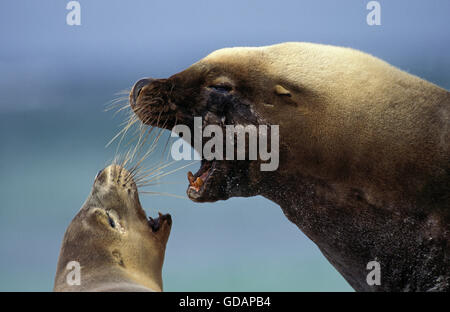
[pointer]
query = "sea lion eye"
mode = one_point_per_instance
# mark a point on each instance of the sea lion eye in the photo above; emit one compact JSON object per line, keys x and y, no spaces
{"x":111,"y":221}
{"x":223,"y":88}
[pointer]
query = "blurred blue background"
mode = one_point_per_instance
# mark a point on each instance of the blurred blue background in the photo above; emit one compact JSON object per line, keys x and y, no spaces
{"x":55,"y":81}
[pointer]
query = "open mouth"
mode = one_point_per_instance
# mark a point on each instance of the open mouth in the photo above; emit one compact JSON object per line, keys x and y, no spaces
{"x":155,"y":224}
{"x":215,"y":180}
{"x":201,"y":180}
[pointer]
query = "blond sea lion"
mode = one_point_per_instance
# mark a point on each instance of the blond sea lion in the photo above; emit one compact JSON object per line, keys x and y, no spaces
{"x":114,"y":245}
{"x":364,"y":167}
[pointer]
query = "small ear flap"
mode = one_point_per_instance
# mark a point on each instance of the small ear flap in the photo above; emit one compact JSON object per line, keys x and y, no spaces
{"x":280,"y":90}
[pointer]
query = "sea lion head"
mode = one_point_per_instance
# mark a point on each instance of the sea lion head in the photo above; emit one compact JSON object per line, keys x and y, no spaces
{"x":228,"y":87}
{"x":112,"y":238}
{"x":333,"y":125}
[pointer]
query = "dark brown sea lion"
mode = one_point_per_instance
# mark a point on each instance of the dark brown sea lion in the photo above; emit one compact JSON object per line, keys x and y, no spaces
{"x":364,"y":165}
{"x":114,"y":245}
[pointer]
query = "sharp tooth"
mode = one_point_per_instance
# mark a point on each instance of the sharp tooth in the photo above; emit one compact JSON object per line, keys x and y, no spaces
{"x":198,"y":182}
{"x":160,"y":214}
{"x":190,"y":178}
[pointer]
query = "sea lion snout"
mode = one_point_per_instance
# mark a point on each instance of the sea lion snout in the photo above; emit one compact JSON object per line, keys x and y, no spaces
{"x":117,"y":191}
{"x":114,"y":189}
{"x":115,"y":175}
{"x":136,"y":90}
{"x":209,"y":91}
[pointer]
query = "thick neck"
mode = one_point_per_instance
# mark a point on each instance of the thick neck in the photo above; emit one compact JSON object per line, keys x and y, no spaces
{"x":351,"y":232}
{"x":108,"y":278}
{"x":123,"y":280}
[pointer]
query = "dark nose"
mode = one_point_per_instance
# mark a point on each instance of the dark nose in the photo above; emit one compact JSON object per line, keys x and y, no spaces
{"x":138,"y":87}
{"x":98,"y":174}
{"x":100,"y":177}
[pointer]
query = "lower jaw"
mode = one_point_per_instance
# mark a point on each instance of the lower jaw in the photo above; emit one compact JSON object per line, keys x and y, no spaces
{"x":198,"y":194}
{"x":193,"y":195}
{"x":213,"y":185}
{"x":206,"y":195}
{"x":198,"y":183}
